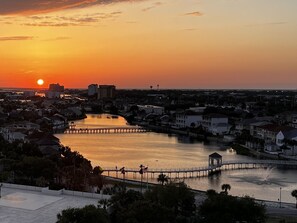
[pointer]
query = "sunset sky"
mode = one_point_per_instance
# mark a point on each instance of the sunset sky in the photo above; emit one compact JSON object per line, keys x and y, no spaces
{"x":135,"y":44}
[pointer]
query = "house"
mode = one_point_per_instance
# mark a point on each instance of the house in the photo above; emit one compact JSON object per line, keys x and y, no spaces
{"x":165,"y":120}
{"x":18,"y":130}
{"x":24,"y":125}
{"x":255,"y":129}
{"x":48,"y":146}
{"x":269,"y":132}
{"x":273,"y":136}
{"x":217,"y":124}
{"x":12,"y":134}
{"x":59,"y":122}
{"x":293,"y":122}
{"x":287,"y":118}
{"x":47,"y":143}
{"x":77,"y":111}
{"x":287,"y":141}
{"x":188,"y":119}
{"x":245,"y":124}
{"x":158,"y":110}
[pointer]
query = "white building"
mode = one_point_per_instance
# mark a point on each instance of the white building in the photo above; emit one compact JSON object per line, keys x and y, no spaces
{"x":18,"y":130}
{"x":288,"y":139}
{"x":216,"y":124}
{"x":151,"y":109}
{"x":188,"y":119}
{"x":92,"y":89}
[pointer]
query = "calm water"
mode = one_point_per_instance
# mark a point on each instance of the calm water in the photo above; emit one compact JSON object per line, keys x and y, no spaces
{"x":163,"y":151}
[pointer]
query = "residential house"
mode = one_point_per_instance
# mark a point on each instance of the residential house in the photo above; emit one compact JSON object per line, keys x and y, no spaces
{"x":12,"y":134}
{"x":18,"y":130}
{"x":245,"y":124}
{"x":217,"y":124}
{"x":255,"y":129}
{"x":269,"y":134}
{"x":59,"y":122}
{"x":287,"y":141}
{"x":188,"y":119}
{"x":157,"y":110}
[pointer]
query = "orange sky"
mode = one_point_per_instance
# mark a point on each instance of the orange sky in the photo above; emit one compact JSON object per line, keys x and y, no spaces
{"x":135,"y":44}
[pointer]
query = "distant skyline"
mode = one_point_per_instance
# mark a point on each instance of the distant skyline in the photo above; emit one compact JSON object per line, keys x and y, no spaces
{"x":196,"y":44}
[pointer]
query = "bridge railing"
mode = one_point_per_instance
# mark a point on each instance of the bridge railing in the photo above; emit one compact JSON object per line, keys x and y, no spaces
{"x":276,"y":162}
{"x":164,"y":170}
{"x":105,"y":128}
{"x":205,"y":168}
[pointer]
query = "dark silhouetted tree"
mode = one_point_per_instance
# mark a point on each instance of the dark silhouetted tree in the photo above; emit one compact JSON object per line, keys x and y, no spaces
{"x":294,"y":194}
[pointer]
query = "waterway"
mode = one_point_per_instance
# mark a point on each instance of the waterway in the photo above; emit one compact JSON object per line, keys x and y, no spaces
{"x":171,"y":151}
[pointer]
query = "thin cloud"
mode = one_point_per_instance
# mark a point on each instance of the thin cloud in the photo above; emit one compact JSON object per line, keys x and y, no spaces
{"x":59,"y":38}
{"x":267,"y":24}
{"x":194,"y":14}
{"x":190,"y":29}
{"x":52,"y":24}
{"x":62,"y":21}
{"x":33,"y":7}
{"x":148,"y":8}
{"x":15,"y":38}
{"x":131,"y":22}
{"x":156,"y":4}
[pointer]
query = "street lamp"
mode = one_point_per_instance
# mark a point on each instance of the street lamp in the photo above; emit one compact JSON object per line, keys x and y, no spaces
{"x":142,"y":170}
{"x":122,"y":170}
{"x":141,"y":173}
{"x":146,"y":177}
{"x":280,"y":197}
{"x":1,"y":189}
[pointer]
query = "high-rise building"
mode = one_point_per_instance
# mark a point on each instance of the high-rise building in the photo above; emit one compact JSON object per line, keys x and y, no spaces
{"x":92,"y":89}
{"x":54,"y":91}
{"x":106,"y":91}
{"x":56,"y":88}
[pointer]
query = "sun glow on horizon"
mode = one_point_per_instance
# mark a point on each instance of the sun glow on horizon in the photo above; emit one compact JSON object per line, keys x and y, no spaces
{"x":40,"y":82}
{"x":190,"y":45}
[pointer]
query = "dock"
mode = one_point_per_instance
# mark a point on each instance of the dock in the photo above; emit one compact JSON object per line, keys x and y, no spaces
{"x":183,"y":173}
{"x":110,"y":130}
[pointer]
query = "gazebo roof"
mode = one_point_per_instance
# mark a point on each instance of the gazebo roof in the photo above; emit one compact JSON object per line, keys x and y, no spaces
{"x":215,"y":155}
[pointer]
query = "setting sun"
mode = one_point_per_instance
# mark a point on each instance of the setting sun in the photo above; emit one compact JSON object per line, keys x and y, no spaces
{"x":40,"y":82}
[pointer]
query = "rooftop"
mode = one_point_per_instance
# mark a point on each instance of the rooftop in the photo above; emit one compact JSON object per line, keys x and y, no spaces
{"x":276,"y":128}
{"x":215,"y":155}
{"x":35,"y":206}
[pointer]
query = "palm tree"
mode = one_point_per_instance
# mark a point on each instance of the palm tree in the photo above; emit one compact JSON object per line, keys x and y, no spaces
{"x":104,"y":203}
{"x":294,"y":194}
{"x":162,"y":178}
{"x":225,"y":188}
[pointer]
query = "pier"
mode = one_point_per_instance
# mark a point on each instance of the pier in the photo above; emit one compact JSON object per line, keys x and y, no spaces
{"x":112,"y":130}
{"x":201,"y":171}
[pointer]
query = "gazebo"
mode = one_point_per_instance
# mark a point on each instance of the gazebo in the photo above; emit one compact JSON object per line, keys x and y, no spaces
{"x":215,"y":160}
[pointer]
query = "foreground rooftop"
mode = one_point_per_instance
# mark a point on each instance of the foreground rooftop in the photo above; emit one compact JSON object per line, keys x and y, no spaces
{"x":28,"y":206}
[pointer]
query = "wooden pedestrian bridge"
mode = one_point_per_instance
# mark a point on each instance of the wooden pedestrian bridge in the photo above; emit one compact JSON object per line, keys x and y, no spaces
{"x":109,"y":130}
{"x":200,"y":171}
